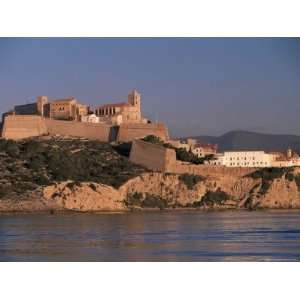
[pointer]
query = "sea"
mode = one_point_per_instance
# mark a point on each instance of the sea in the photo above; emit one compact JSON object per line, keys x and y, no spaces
{"x":157,"y":236}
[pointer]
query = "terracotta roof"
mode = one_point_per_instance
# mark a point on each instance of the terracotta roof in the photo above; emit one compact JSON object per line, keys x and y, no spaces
{"x":65,"y":100}
{"x":122,"y":104}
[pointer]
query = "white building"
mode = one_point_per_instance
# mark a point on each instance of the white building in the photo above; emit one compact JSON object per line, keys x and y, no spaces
{"x":254,"y":159}
{"x":90,"y":119}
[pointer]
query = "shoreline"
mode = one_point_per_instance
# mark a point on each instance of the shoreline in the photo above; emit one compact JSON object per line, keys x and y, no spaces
{"x":147,"y":210}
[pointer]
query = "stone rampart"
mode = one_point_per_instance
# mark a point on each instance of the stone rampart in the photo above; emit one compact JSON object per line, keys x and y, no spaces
{"x":158,"y":158}
{"x":205,"y":170}
{"x":23,"y":126}
{"x":96,"y":131}
{"x":151,"y":156}
{"x":129,"y":132}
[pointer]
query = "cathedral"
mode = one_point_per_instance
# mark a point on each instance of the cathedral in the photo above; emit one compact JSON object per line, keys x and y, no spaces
{"x":124,"y":112}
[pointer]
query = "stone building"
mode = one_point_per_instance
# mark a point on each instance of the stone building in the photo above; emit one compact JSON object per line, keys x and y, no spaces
{"x":61,"y":109}
{"x":192,"y":145}
{"x":124,"y":112}
{"x":68,"y":109}
{"x":202,"y":150}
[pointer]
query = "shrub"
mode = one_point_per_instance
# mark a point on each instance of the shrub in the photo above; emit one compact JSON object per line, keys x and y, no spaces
{"x":152,"y":201}
{"x":269,"y":173}
{"x":134,"y":199}
{"x":190,"y":180}
{"x":212,"y":198}
{"x":297,"y":180}
{"x":153,"y":139}
{"x":289,"y":176}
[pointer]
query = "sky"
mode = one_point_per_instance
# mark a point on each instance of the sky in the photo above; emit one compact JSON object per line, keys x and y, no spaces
{"x":197,"y":86}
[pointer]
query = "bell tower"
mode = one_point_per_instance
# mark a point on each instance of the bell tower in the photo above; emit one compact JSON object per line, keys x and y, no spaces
{"x":134,"y":99}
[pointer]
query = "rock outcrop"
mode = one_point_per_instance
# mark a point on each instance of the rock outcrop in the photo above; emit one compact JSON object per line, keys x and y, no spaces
{"x":84,"y":197}
{"x":220,"y":191}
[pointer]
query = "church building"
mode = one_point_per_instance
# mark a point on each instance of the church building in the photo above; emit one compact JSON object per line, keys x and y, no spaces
{"x":124,"y":112}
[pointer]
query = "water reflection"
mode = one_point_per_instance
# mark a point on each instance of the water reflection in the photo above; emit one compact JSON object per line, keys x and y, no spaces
{"x":155,"y":236}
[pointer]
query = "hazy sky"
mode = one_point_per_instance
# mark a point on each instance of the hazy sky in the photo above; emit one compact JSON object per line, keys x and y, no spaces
{"x":195,"y":85}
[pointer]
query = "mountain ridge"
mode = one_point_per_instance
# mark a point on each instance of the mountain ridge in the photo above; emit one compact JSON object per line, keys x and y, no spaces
{"x":248,"y":140}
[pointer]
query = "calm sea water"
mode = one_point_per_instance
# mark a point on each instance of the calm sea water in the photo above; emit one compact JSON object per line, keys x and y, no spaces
{"x":152,"y":236}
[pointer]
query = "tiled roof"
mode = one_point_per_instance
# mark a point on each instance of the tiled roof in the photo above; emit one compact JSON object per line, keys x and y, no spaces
{"x":64,"y":100}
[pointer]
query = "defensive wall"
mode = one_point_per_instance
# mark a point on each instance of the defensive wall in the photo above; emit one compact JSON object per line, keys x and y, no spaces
{"x":21,"y":126}
{"x":158,"y":158}
{"x":25,"y":126}
{"x":100,"y":132}
{"x":129,"y":132}
{"x":151,"y":156}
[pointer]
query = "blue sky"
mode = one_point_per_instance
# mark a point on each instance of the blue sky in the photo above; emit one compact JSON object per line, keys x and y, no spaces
{"x":196,"y":85}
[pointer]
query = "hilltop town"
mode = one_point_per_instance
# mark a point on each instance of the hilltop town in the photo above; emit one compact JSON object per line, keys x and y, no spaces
{"x":63,"y":155}
{"x":123,"y":122}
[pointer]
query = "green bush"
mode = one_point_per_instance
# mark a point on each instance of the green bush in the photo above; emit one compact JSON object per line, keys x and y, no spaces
{"x":268,"y":175}
{"x":212,"y":198}
{"x":44,"y":162}
{"x":153,"y":139}
{"x":289,"y":176}
{"x":149,"y":201}
{"x":190,"y":180}
{"x":134,"y":199}
{"x":297,"y":180}
{"x":152,"y":201}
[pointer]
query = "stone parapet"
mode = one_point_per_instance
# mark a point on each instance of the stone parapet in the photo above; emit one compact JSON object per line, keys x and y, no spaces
{"x":129,"y":132}
{"x":23,"y":126}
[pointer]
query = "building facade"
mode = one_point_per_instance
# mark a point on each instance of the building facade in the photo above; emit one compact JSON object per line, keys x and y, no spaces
{"x":256,"y":159}
{"x":124,"y":112}
{"x":203,"y":150}
{"x":68,"y":109}
{"x":192,"y":145}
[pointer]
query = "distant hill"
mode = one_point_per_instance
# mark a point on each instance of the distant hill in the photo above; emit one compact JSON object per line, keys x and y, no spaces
{"x":245,"y":140}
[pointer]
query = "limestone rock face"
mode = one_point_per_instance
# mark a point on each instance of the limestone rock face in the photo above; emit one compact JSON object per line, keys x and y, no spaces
{"x":281,"y":194}
{"x":85,"y":197}
{"x":167,"y":187}
{"x":243,"y":192}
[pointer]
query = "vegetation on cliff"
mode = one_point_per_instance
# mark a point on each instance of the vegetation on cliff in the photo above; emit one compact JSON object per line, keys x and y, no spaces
{"x":211,"y":199}
{"x":139,"y":200}
{"x":190,"y":180}
{"x":268,"y":175}
{"x":29,"y":164}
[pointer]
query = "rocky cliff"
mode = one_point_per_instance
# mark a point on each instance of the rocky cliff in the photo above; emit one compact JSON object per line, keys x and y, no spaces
{"x":264,"y":188}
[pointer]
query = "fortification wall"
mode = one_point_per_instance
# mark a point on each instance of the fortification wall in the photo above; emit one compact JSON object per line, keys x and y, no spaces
{"x":129,"y":132}
{"x":210,"y":171}
{"x":100,"y":132}
{"x":23,"y":126}
{"x":159,"y":158}
{"x":151,"y":156}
